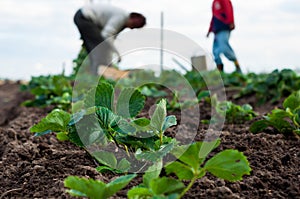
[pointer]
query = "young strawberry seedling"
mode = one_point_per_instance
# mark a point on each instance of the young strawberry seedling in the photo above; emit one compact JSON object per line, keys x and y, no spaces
{"x":284,"y":121}
{"x":102,"y":123}
{"x":95,"y":189}
{"x":190,"y":165}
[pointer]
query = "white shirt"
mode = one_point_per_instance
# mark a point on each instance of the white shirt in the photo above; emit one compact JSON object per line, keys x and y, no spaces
{"x":111,"y":20}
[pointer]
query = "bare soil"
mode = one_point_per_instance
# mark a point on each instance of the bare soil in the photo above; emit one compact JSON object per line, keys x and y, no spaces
{"x":35,"y":167}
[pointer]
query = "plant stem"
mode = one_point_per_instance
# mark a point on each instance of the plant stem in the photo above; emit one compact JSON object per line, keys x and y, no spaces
{"x":111,"y":135}
{"x":188,"y":187}
{"x":126,"y":148}
{"x":161,"y":137}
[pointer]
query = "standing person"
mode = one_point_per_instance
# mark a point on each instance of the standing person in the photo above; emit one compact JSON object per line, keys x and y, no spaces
{"x":222,"y":23}
{"x":100,"y":23}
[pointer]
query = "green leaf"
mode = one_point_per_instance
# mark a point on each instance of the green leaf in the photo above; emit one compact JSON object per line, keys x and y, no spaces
{"x":247,"y":107}
{"x":293,"y":101}
{"x":153,"y":92}
{"x":154,"y":156}
{"x":130,"y":103}
{"x":123,"y":127}
{"x":207,"y":147}
{"x":139,"y":193}
{"x":182,"y":171}
{"x":203,"y":94}
{"x":77,"y":106}
{"x":259,"y":126}
{"x":73,"y":192}
{"x":195,"y":153}
{"x":74,"y":137}
{"x":93,"y":189}
{"x":143,"y":122}
{"x":214,"y":100}
{"x":159,"y":115}
{"x":102,"y":95}
{"x":62,"y":136}
{"x":172,"y":196}
{"x":152,"y":173}
{"x":169,"y":121}
{"x":188,"y":154}
{"x":76,"y":117}
{"x":104,"y":169}
{"x":296,"y":117}
{"x":93,"y":137}
{"x":278,"y":119}
{"x":86,"y":131}
{"x":106,"y":158}
{"x":110,"y":162}
{"x":109,"y":121}
{"x":166,"y":185}
{"x":118,"y":184}
{"x":135,"y":142}
{"x":106,"y":117}
{"x":189,"y":103}
{"x":43,"y":133}
{"x":56,"y":121}
{"x":96,"y":189}
{"x":230,"y":165}
{"x":123,"y":165}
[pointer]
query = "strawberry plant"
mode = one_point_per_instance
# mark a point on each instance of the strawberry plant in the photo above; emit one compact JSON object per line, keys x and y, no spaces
{"x":95,"y":189}
{"x":190,"y":165}
{"x":50,"y":90}
{"x":109,"y":162}
{"x":271,"y":87}
{"x":154,"y":186}
{"x":235,"y":79}
{"x":284,"y":121}
{"x":60,"y":122}
{"x":152,"y":91}
{"x":233,"y":114}
{"x":102,"y":122}
{"x":229,"y":164}
{"x":175,"y":103}
{"x":118,"y":121}
{"x":266,"y":87}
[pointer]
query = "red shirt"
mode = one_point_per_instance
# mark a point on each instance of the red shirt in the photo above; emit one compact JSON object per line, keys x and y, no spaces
{"x":222,"y":15}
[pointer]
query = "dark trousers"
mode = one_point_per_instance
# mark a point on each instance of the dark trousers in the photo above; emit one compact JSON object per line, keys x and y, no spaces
{"x":99,"y":50}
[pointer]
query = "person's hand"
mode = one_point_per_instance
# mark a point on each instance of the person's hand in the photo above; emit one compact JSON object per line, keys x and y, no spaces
{"x":231,"y":26}
{"x":207,"y":35}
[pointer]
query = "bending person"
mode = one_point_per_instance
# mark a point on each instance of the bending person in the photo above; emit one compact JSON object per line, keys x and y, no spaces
{"x":100,"y":24}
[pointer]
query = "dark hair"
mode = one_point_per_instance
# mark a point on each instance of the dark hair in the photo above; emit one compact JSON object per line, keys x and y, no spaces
{"x":139,"y":16}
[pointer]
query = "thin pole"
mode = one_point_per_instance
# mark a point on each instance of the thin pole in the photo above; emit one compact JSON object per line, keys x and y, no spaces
{"x":161,"y":41}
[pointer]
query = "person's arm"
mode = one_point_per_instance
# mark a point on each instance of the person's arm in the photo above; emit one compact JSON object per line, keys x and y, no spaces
{"x":210,"y":28}
{"x":228,"y":11}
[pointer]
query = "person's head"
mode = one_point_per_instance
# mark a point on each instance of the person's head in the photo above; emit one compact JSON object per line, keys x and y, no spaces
{"x":135,"y":20}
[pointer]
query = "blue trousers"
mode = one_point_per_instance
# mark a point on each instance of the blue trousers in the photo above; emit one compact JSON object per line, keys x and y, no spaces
{"x":221,"y":46}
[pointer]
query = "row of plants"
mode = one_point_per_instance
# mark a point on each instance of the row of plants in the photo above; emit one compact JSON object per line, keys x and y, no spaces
{"x":105,"y":120}
{"x":100,"y":123}
{"x":190,"y":165}
{"x":268,"y":87}
{"x":285,"y":121}
{"x":57,"y":89}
